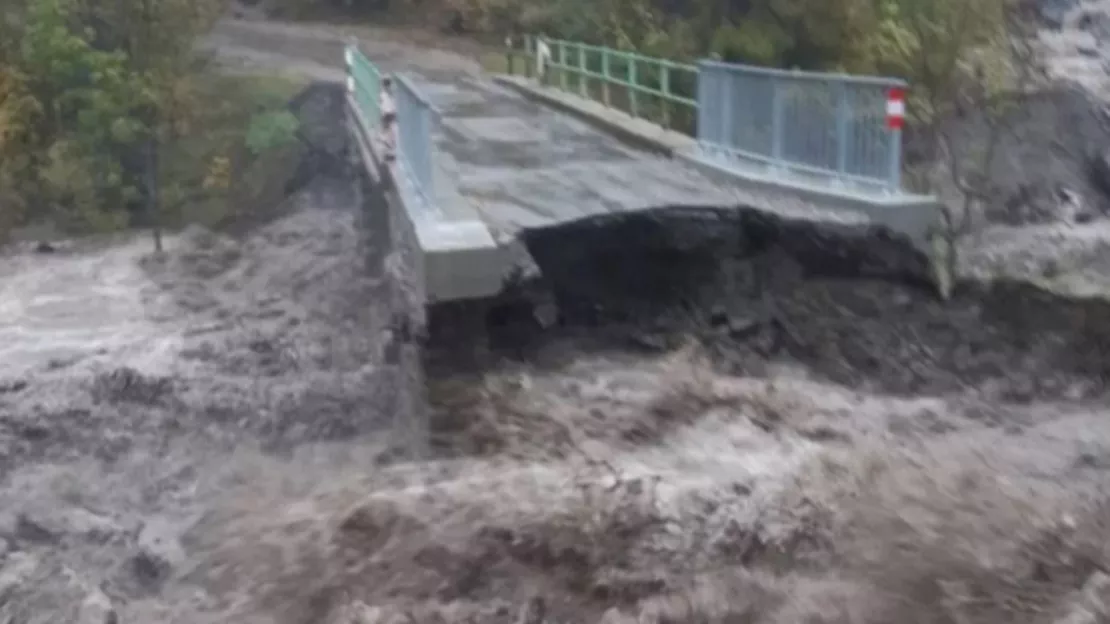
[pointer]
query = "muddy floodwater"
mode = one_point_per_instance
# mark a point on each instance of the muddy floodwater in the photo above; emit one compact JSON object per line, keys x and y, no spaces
{"x":735,"y":418}
{"x":209,"y":434}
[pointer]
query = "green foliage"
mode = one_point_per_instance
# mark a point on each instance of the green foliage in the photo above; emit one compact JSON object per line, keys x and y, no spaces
{"x":950,"y":50}
{"x":750,"y":42}
{"x":107,"y":118}
{"x":75,"y":104}
{"x":271,"y":130}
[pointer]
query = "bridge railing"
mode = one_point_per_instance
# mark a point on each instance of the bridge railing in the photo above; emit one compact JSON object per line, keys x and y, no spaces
{"x":658,"y":90}
{"x":813,"y":124}
{"x":364,"y":82}
{"x":416,"y":120}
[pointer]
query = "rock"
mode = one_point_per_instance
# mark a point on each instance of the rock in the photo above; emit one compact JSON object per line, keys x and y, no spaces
{"x":1096,"y":23}
{"x":159,"y":552}
{"x":1054,"y":12}
{"x":718,"y":317}
{"x":652,"y":342}
{"x":532,"y":612}
{"x":616,"y":616}
{"x":48,"y":525}
{"x":1072,"y":208}
{"x":546,"y":314}
{"x":45,"y":248}
{"x":13,"y":386}
{"x":1099,"y":170}
{"x":1091,"y":604}
{"x":96,"y":608}
{"x":1089,"y":51}
{"x":16,"y":571}
{"x":9,"y":524}
{"x":742,"y":328}
{"x":361,"y":613}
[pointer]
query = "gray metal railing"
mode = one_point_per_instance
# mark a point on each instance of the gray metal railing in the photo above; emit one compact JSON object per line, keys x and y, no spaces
{"x":416,"y":119}
{"x":828,"y":126}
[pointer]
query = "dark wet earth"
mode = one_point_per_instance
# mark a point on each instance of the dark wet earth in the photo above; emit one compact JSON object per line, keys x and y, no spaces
{"x":761,"y":294}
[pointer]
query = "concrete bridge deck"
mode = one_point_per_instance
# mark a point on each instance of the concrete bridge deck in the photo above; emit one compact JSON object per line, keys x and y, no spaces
{"x":524,"y":165}
{"x":507,"y":163}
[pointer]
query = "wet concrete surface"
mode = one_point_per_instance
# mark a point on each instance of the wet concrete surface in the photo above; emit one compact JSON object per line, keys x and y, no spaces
{"x":526,"y":166}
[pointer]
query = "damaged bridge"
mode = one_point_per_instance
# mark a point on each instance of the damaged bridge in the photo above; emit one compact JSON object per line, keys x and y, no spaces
{"x":470,"y":165}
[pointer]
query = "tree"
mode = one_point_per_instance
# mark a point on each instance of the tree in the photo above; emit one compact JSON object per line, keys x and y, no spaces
{"x":109,"y":118}
{"x":158,"y":37}
{"x":77,"y":104}
{"x":967,"y":60}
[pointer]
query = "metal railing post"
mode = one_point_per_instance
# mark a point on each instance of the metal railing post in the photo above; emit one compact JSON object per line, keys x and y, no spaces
{"x":606,"y":71}
{"x":843,"y":112}
{"x":701,"y":131}
{"x":894,"y":175}
{"x":529,"y":51}
{"x":726,"y":130}
{"x":583,"y":86}
{"x":777,"y":118}
{"x":665,"y":87}
{"x":562,"y":65}
{"x":633,"y":88}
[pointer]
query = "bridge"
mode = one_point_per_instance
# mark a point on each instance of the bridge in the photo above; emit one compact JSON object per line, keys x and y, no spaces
{"x":572,"y":131}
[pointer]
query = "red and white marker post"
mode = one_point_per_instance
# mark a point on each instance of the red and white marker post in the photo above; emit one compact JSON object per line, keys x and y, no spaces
{"x":895,"y":108}
{"x":895,"y":121}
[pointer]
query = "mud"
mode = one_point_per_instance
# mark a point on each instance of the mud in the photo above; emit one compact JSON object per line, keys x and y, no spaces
{"x":850,"y":307}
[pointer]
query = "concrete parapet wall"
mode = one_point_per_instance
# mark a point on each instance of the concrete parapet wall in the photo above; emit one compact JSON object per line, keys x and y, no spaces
{"x":450,"y":250}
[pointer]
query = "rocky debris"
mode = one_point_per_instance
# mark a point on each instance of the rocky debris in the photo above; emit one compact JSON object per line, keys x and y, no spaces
{"x":1054,"y":13}
{"x":54,"y":523}
{"x":35,"y":589}
{"x":1097,"y":23}
{"x":15,"y":571}
{"x":127,"y":385}
{"x":1100,"y":170}
{"x":96,"y":608}
{"x":159,"y":551}
{"x":1051,"y":162}
{"x":1092,"y":604}
{"x":13,"y":386}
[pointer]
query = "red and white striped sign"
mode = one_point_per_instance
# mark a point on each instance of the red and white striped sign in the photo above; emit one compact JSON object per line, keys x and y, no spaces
{"x":896,"y":108}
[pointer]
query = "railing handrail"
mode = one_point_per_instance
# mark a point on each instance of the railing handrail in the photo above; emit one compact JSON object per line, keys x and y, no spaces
{"x":406,"y":81}
{"x":834,"y":126}
{"x":799,"y":74}
{"x":767,"y":116}
{"x":636,"y":56}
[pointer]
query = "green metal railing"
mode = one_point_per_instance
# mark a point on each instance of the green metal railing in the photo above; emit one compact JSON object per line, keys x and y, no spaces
{"x":364,"y":82}
{"x":658,"y":90}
